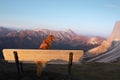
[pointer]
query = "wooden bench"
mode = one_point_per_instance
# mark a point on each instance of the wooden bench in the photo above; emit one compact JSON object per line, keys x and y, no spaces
{"x":44,"y":56}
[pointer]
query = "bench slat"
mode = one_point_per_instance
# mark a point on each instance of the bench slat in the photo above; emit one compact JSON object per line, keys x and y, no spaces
{"x":42,"y":55}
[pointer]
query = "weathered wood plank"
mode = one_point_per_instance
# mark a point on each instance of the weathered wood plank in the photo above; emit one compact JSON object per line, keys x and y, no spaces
{"x":42,"y":55}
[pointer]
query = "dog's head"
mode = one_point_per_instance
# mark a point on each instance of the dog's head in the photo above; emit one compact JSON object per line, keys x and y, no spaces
{"x":51,"y":38}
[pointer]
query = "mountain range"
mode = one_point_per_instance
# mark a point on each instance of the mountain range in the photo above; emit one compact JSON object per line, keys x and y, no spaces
{"x":31,"y":39}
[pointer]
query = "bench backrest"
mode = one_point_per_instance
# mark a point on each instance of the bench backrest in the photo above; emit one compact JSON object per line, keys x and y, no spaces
{"x":42,"y":55}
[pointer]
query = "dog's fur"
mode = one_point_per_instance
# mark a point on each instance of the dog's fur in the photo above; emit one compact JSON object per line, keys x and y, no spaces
{"x":46,"y":44}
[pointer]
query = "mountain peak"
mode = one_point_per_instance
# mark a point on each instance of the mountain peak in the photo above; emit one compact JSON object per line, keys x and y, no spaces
{"x":115,"y":36}
{"x":69,"y":30}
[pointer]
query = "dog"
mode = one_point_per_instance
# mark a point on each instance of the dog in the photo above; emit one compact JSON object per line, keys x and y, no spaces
{"x":46,"y":44}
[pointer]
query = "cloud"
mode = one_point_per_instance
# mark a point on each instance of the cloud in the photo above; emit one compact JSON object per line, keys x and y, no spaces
{"x":112,"y":6}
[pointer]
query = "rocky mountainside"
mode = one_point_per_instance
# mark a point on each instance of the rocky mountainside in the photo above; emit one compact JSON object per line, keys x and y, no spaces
{"x":111,"y":55}
{"x":109,"y":50}
{"x":115,"y":36}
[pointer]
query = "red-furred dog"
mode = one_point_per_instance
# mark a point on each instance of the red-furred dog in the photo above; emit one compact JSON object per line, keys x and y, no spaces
{"x":46,"y":44}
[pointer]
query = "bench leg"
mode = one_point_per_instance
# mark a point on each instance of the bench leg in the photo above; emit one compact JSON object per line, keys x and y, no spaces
{"x":17,"y":62}
{"x":21,"y":67}
{"x":70,"y":65}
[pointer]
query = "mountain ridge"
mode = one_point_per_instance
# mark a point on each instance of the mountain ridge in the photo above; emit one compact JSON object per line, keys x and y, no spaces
{"x":67,"y":39}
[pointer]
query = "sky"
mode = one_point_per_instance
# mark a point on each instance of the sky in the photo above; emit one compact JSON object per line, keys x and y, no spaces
{"x":96,"y":17}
